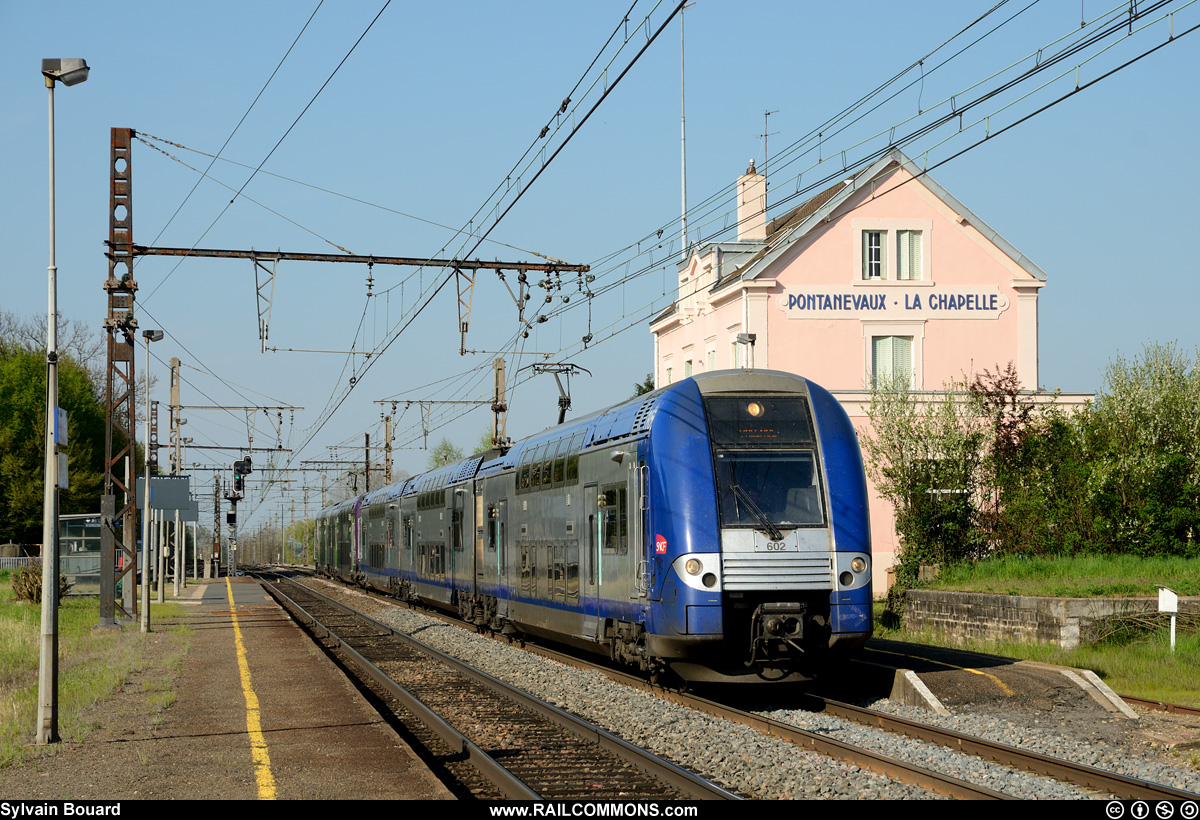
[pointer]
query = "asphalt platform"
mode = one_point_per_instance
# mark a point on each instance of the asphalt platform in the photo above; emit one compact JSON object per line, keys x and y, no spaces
{"x":259,"y":713}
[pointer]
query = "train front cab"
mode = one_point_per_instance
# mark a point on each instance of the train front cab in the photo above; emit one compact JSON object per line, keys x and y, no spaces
{"x":757,"y":537}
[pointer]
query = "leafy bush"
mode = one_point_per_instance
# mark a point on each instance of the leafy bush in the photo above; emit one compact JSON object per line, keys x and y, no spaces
{"x":926,"y":457}
{"x":984,"y":469}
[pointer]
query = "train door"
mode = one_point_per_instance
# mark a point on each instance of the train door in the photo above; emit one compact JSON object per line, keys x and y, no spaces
{"x":589,"y":568}
{"x":637,"y":530}
{"x":499,"y":534}
{"x":654,"y":553}
{"x":481,"y":524}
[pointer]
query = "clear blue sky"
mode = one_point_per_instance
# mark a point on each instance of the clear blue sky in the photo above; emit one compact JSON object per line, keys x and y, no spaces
{"x":438,"y":102}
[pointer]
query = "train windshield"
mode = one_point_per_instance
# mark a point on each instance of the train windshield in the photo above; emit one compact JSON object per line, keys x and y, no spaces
{"x":764,"y":452}
{"x":769,"y":491}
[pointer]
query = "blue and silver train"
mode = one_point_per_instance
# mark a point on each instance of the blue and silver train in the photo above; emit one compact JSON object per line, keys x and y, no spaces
{"x":717,"y":527}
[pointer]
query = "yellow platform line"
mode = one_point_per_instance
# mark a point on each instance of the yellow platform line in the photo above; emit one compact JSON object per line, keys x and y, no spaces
{"x":258,"y":744}
{"x":1003,"y":688}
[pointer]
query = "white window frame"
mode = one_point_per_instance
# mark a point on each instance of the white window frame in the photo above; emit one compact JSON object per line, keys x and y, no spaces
{"x":735,"y":348}
{"x":915,"y":330}
{"x":889,"y":230}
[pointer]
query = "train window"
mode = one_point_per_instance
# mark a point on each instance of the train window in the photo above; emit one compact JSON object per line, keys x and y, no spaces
{"x":614,"y":520}
{"x":560,"y":571}
{"x":781,"y":487}
{"x":560,"y":464}
{"x":573,"y":456}
{"x":764,"y":421}
{"x":456,"y":539}
{"x":535,"y":476}
{"x":573,"y":570}
{"x":548,"y":464}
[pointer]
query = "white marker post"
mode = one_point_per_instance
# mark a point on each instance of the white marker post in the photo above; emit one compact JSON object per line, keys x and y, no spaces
{"x":1168,"y":601}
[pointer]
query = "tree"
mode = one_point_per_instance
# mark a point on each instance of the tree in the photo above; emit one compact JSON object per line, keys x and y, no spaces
{"x":1145,"y":436}
{"x":22,"y":441}
{"x":644,"y":387}
{"x":925,"y":457}
{"x":75,"y":339}
{"x":444,"y":452}
{"x":485,"y":442}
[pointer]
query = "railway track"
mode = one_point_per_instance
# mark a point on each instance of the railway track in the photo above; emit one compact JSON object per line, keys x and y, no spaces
{"x":1088,"y":780}
{"x":1128,"y":788}
{"x":1062,"y":770}
{"x":922,"y":778}
{"x":510,"y":744}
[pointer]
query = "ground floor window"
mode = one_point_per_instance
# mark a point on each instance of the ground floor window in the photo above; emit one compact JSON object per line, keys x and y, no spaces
{"x":891,"y":360}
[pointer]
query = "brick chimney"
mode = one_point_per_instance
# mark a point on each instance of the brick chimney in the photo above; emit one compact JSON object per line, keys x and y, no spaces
{"x":752,"y":205}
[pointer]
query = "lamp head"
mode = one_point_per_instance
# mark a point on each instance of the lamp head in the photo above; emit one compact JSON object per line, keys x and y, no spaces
{"x":68,"y":71}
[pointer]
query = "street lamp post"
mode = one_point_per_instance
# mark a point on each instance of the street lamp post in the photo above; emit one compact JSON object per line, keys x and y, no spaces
{"x":68,"y":72}
{"x":149,"y":336}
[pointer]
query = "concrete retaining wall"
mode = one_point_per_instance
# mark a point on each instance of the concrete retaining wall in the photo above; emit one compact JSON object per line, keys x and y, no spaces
{"x":1067,"y":622}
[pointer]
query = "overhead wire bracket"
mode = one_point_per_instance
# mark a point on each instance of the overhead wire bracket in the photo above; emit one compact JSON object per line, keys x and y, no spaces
{"x":264,"y":301}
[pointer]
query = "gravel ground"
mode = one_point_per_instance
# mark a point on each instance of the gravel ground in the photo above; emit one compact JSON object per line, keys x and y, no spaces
{"x":749,"y":763}
{"x":735,"y":757}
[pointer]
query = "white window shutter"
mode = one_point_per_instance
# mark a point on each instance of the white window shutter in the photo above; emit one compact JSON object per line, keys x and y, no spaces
{"x":908,"y":255}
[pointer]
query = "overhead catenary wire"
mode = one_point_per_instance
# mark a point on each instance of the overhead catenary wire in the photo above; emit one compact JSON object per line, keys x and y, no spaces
{"x":711,"y":232}
{"x":224,"y":145}
{"x":284,"y":137}
{"x":406,"y":322}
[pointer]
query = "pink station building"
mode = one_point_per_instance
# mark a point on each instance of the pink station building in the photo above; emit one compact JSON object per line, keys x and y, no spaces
{"x":884,"y":275}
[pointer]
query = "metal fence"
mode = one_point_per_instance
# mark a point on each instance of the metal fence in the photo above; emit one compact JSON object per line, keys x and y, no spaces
{"x":18,"y":562}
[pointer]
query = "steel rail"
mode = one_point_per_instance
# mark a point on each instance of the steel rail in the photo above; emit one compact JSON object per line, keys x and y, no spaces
{"x":686,"y":782}
{"x":927,"y":779}
{"x":509,"y":785}
{"x":1077,"y":774}
{"x":1159,"y":706}
{"x":1125,"y":787}
{"x":1129,"y":788}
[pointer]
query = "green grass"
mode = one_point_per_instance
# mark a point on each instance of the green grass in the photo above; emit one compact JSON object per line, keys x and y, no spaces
{"x":1108,"y":576}
{"x":92,"y":664}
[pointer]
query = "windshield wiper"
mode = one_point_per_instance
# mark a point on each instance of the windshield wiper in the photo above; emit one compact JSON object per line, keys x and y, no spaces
{"x":772,"y":531}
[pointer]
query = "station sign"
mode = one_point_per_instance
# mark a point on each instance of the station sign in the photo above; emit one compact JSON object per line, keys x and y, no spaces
{"x":896,"y":302}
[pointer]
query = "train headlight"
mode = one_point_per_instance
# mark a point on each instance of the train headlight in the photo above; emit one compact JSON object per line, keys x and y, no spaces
{"x":858,"y":564}
{"x":693,"y":566}
{"x":847,"y":579}
{"x":754,"y":409}
{"x":709,"y":579}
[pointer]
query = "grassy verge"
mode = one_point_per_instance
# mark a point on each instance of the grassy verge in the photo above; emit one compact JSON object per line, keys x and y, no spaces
{"x":92,"y":664}
{"x":1099,"y":576}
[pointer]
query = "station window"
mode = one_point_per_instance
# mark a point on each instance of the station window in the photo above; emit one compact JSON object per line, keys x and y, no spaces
{"x":893,"y":250}
{"x":874,"y":258}
{"x":891,"y":361}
